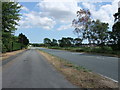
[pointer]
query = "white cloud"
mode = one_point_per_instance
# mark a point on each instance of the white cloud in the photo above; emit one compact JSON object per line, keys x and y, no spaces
{"x":25,"y":8}
{"x":33,"y":19}
{"x":50,"y":13}
{"x":105,"y":12}
{"x":61,"y":11}
{"x":64,"y":27}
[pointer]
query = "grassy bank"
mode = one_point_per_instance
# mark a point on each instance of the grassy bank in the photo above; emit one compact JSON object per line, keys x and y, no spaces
{"x":95,"y":50}
{"x":78,"y":75}
{"x":9,"y":54}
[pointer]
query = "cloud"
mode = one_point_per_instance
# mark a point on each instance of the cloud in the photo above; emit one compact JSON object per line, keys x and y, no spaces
{"x":33,"y":19}
{"x":104,"y":13}
{"x":61,"y":11}
{"x":25,"y":8}
{"x":50,"y":13}
{"x":64,"y":27}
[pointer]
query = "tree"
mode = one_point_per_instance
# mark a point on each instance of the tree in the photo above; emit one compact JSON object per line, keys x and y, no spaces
{"x":54,"y":42}
{"x":10,"y":17}
{"x":82,"y":24}
{"x":99,"y":32}
{"x":70,"y":41}
{"x":47,"y":42}
{"x":115,"y":34}
{"x":117,"y":15}
{"x":77,"y":42}
{"x":66,"y":42}
{"x":23,"y":40}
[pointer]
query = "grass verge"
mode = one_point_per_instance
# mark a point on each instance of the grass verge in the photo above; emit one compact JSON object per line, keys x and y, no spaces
{"x":8,"y":54}
{"x":78,"y":75}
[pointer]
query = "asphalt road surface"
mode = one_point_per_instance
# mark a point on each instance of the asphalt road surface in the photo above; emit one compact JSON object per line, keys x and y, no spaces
{"x":31,"y":70}
{"x":104,"y":65}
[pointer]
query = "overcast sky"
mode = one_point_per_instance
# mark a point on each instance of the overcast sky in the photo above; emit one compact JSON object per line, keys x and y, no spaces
{"x":53,"y":19}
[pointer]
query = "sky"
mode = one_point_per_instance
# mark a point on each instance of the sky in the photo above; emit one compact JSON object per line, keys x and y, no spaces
{"x":53,"y":19}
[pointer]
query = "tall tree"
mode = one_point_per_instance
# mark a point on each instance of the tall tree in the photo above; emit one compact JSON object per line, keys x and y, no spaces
{"x":82,"y":24}
{"x":10,"y":17}
{"x":116,"y":30}
{"x":23,"y":40}
{"x":99,"y":32}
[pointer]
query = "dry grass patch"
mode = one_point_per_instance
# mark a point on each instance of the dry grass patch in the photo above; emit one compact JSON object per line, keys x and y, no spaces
{"x":8,"y":54}
{"x":78,"y":75}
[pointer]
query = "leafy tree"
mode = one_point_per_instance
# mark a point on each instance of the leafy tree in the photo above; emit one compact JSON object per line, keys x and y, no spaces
{"x":117,"y":15}
{"x":23,"y":40}
{"x":82,"y":24}
{"x":66,"y":42}
{"x":70,"y":41}
{"x":47,"y":42}
{"x":54,"y":42}
{"x":115,"y":34}
{"x":99,"y":32}
{"x":10,"y":17}
{"x":77,"y":41}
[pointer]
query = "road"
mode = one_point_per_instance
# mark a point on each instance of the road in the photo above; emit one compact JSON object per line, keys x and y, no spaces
{"x":104,"y":65}
{"x":31,"y":70}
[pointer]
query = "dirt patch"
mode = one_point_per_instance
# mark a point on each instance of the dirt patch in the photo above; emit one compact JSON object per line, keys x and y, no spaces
{"x":8,"y":54}
{"x":78,"y":75}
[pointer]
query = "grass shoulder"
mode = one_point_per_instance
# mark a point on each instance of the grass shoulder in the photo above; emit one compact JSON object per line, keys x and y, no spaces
{"x":78,"y":75}
{"x":9,"y":54}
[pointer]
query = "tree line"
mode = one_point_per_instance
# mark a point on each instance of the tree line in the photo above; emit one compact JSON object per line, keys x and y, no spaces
{"x":10,"y":18}
{"x":64,"y":42}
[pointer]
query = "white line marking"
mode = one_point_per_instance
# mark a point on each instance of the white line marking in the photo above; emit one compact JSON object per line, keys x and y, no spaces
{"x":77,"y":53}
{"x":108,"y":78}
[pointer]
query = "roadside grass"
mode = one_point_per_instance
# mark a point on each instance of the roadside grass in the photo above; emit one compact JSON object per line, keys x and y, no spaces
{"x":79,"y":75}
{"x":107,"y":51}
{"x":9,"y":54}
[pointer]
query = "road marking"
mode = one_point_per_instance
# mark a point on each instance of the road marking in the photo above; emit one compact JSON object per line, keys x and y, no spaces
{"x":77,"y":53}
{"x":108,"y":78}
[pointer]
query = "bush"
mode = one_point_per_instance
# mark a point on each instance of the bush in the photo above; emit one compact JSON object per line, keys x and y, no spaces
{"x":16,"y":46}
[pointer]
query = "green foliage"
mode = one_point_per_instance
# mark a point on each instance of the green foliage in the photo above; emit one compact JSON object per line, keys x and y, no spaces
{"x":93,"y":31}
{"x":82,"y":24}
{"x":16,"y":46}
{"x":65,"y":42}
{"x":23,"y":40}
{"x":78,"y":42}
{"x":47,"y":42}
{"x":115,"y":34}
{"x":10,"y":17}
{"x":99,"y":32}
{"x":54,"y":42}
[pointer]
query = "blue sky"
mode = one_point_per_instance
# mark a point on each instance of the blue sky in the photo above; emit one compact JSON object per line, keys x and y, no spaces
{"x":53,"y":19}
